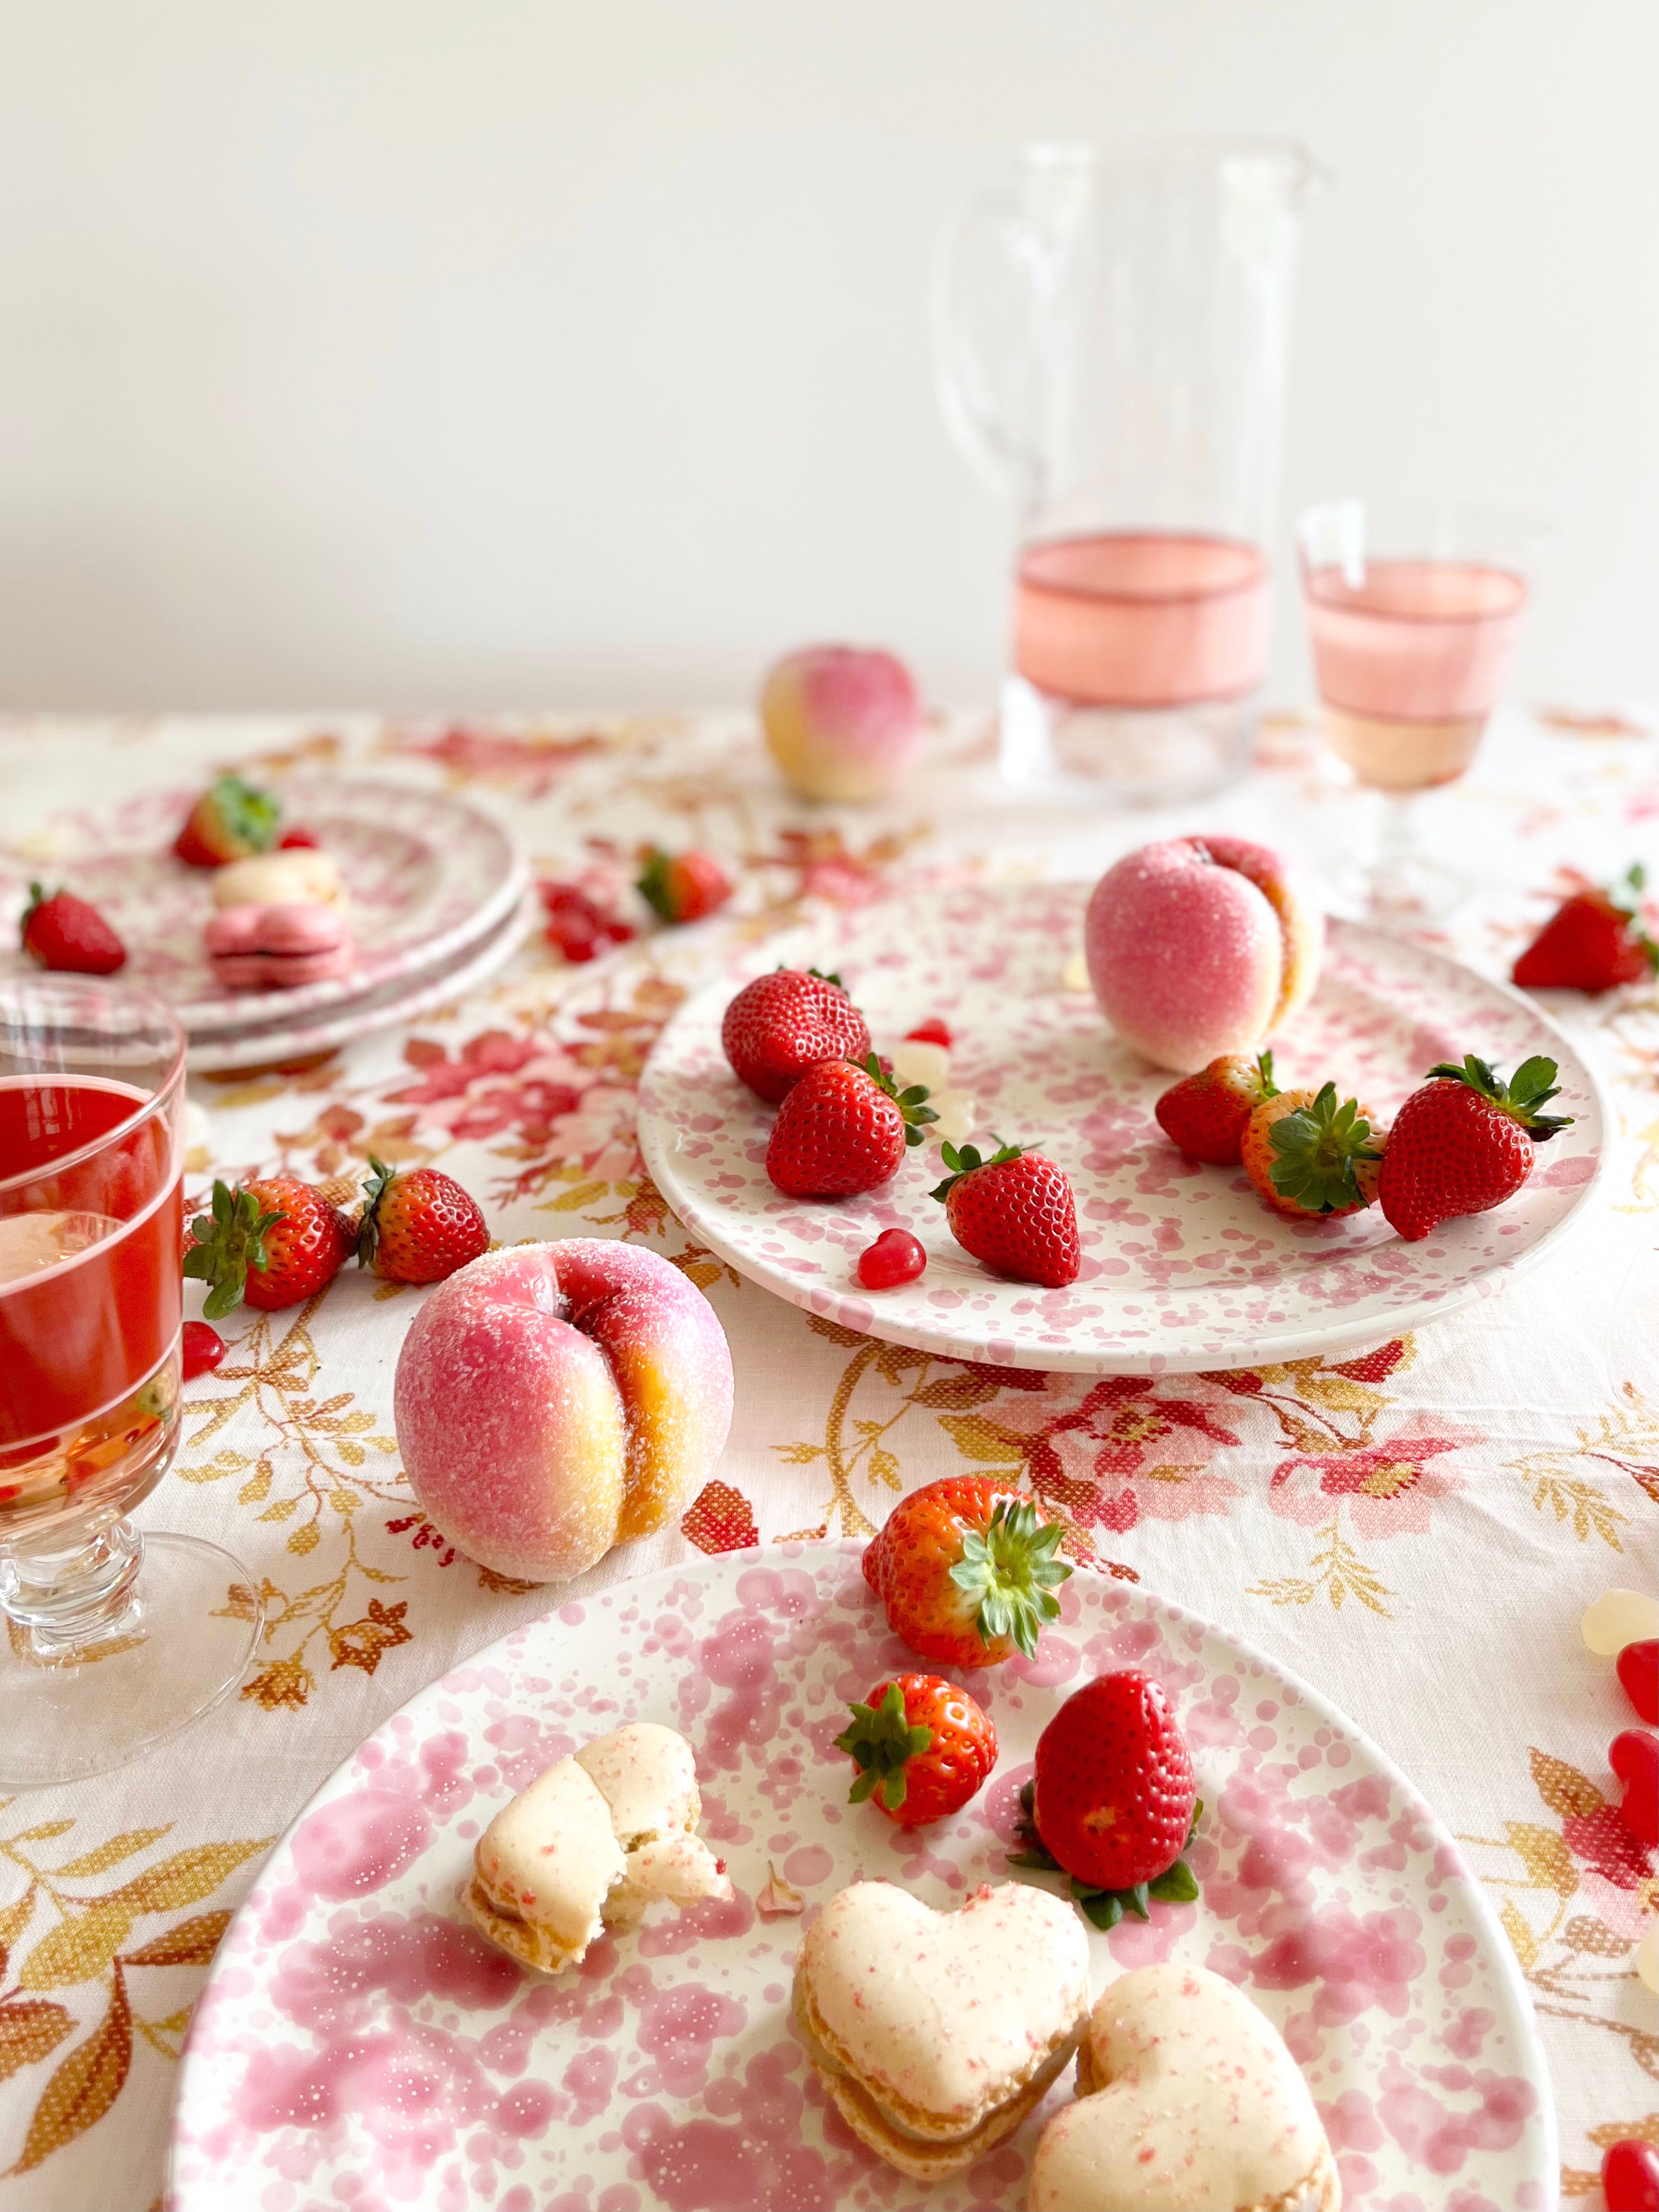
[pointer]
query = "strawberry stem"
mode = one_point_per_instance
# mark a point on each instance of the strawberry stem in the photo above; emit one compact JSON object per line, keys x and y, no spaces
{"x":228,"y":1241}
{"x":882,"y":1741}
{"x":1104,"y":1908}
{"x":1013,"y":1569}
{"x":653,"y":883}
{"x":963,"y":1159}
{"x":380,"y":1180}
{"x":1317,"y":1148}
{"x":1532,"y":1086}
{"x":912,"y":1104}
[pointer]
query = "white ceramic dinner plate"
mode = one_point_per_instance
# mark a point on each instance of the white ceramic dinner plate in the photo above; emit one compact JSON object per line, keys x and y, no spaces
{"x":1183,"y":1269}
{"x":428,"y":874}
{"x":357,"y":2044}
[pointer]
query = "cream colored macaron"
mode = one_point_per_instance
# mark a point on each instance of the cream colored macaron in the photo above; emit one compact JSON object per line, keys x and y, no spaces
{"x":590,"y":1844}
{"x":937,"y":2033}
{"x":1187,"y":2101}
{"x":302,"y":876}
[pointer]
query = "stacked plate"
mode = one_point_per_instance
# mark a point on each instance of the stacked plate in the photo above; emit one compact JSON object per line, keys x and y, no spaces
{"x":441,"y":896}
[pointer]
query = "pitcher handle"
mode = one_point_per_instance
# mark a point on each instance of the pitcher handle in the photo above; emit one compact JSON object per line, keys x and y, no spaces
{"x":981,"y":429}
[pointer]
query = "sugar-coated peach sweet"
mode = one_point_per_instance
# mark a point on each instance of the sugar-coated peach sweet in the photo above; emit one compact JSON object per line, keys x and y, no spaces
{"x":554,"y":1399}
{"x":842,"y":721}
{"x":1198,"y":947}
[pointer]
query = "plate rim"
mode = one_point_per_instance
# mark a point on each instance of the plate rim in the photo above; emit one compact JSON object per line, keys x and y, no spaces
{"x":416,"y":994}
{"x":1497,"y":1948}
{"x":208,"y":1017}
{"x":1290,"y":1341}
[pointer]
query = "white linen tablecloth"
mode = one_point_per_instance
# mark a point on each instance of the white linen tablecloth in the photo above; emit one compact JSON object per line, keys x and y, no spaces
{"x":1415,"y":1529}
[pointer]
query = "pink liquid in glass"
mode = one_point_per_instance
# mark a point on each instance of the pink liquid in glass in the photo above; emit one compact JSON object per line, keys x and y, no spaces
{"x":1142,"y":619}
{"x":90,"y":1292}
{"x":1409,"y":661}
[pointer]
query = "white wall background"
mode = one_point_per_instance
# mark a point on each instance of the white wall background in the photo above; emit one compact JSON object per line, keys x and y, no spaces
{"x":566,"y":352}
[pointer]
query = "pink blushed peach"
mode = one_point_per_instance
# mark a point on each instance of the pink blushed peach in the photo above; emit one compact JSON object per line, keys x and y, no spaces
{"x":841,"y":721}
{"x":554,"y":1399}
{"x":1198,"y":946}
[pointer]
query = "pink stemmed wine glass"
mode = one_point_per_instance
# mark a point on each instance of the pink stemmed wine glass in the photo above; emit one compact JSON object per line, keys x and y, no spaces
{"x":115,"y":1641}
{"x":1412,"y":616}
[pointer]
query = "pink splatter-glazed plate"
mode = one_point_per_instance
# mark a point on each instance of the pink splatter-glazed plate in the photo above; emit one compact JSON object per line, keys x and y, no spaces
{"x":357,"y":2045}
{"x":427,"y":876}
{"x":1183,"y":1268}
{"x":406,"y":996}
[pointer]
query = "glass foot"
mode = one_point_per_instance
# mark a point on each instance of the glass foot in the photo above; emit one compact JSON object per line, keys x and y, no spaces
{"x":1058,"y":752}
{"x":1412,"y":893}
{"x":180,"y":1642}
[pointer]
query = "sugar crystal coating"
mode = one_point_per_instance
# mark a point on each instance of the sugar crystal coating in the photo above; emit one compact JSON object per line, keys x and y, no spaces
{"x":1190,"y":957}
{"x":558,"y":1399}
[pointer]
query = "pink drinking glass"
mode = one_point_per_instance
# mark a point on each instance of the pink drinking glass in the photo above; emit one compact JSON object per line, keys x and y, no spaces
{"x":111,"y":1640}
{"x":1412,"y":616}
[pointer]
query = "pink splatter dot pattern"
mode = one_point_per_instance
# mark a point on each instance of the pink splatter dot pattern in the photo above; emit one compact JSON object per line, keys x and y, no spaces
{"x":358,"y":2043}
{"x":1183,"y":1269}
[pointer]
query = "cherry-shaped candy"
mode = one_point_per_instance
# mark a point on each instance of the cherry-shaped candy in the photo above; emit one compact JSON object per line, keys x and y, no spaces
{"x":896,"y":1257}
{"x":201,"y":1349}
{"x":1629,"y":2176}
{"x":1638,"y":1670}
{"x":1634,"y":1758}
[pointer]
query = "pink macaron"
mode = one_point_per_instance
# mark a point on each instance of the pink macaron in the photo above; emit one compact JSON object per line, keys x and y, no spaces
{"x":278,"y":948}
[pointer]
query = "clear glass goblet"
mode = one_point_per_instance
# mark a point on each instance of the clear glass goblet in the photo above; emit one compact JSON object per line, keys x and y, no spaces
{"x":114,"y":1641}
{"x":1413,"y":615}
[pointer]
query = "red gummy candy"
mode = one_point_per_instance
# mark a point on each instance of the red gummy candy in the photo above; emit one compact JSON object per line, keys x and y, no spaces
{"x":1638,"y":1670}
{"x":1634,"y":1758}
{"x":201,"y":1349}
{"x":932,"y":1032}
{"x":1629,"y":2176}
{"x":896,"y":1257}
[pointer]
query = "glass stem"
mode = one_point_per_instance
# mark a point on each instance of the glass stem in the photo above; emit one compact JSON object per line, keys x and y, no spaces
{"x":1396,"y":848}
{"x":65,"y":1600}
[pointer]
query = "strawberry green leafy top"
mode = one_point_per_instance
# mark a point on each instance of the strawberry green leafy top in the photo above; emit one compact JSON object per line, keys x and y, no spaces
{"x":1531,"y":1087}
{"x":881,"y":1738}
{"x":1317,"y":1148}
{"x":1013,"y":1569}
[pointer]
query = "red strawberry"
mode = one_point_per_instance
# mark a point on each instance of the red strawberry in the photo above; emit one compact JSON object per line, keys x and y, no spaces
{"x":843,"y":1129}
{"x":1113,"y":1797}
{"x":1204,"y":1113}
{"x":61,"y":931}
{"x":1593,"y":942}
{"x":684,"y":886}
{"x":967,"y":1569}
{"x":294,"y":840}
{"x":231,"y":819}
{"x":1310,"y":1157}
{"x":1014,"y":1212}
{"x":271,"y":1243}
{"x":417,"y":1227}
{"x":1464,"y":1143}
{"x":922,"y":1747}
{"x":781,"y":1024}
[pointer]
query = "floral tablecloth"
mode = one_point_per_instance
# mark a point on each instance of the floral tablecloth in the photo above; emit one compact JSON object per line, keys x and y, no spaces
{"x":1416,"y":1527}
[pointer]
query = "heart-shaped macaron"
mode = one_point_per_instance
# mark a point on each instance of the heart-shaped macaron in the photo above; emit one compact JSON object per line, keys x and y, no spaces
{"x":1187,"y":2101}
{"x":936,"y":2032}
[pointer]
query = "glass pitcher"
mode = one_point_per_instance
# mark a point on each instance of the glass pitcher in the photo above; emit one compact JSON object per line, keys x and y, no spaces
{"x":1110,"y":337}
